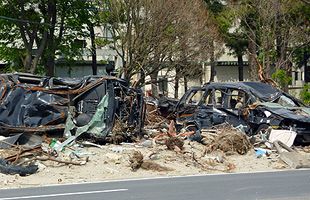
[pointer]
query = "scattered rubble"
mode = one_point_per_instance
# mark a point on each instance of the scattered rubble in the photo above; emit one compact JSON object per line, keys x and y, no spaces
{"x":122,"y":146}
{"x":292,"y":158}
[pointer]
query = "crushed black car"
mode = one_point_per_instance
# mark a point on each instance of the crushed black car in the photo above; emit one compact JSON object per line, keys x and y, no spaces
{"x":92,"y":104}
{"x":249,"y":106}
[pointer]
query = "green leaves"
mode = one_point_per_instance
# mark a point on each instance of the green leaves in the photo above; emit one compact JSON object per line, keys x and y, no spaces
{"x":305,"y":94}
{"x":282,"y":78}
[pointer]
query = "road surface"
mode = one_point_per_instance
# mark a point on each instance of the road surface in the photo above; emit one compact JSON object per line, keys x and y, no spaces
{"x":283,"y":185}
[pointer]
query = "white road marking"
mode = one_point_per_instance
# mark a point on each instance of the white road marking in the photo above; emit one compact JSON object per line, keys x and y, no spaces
{"x":161,"y":177}
{"x":172,"y":176}
{"x":64,"y":194}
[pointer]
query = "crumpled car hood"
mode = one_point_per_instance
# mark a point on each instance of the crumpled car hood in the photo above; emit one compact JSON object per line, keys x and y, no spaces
{"x":301,"y":114}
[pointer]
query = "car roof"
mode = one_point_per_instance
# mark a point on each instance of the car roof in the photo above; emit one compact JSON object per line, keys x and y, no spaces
{"x":261,"y":90}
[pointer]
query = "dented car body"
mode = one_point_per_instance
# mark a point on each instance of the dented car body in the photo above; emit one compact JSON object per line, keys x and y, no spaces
{"x":38,"y":104}
{"x":250,"y":106}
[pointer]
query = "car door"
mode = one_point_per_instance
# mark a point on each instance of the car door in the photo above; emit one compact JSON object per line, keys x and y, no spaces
{"x":234,"y":103}
{"x":207,"y":113}
{"x":189,"y":103}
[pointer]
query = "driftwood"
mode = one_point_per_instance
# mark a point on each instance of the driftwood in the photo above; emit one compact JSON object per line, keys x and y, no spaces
{"x":172,"y":139}
{"x":136,"y":162}
{"x":20,"y":154}
{"x":278,"y":144}
{"x":262,"y":76}
{"x":53,"y":159}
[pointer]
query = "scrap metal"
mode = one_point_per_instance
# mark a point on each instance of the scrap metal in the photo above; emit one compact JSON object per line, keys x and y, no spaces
{"x":39,"y":104}
{"x":260,"y":106}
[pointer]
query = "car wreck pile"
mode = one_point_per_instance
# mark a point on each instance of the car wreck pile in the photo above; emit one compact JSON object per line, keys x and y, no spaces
{"x":53,"y":119}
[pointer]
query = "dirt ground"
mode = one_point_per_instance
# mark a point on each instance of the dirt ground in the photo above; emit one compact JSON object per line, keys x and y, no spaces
{"x":112,"y":162}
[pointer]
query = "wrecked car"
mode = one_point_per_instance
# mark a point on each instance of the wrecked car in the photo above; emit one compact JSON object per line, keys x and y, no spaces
{"x":250,"y":106}
{"x":71,"y":106}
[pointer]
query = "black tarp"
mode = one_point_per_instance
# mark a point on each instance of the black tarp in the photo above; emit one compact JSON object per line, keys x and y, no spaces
{"x":30,"y":103}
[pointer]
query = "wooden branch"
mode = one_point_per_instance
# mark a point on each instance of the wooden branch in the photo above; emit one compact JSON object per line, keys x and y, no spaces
{"x":13,"y":157}
{"x":53,"y":159}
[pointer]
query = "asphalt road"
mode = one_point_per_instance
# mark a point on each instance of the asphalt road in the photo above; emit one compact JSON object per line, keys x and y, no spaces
{"x":284,"y":185}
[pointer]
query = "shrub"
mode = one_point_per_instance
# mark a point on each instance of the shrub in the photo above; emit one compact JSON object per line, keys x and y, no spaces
{"x":281,"y":77}
{"x":305,"y":94}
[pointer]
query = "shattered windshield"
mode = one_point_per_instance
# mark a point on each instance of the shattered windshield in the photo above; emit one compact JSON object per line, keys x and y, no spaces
{"x":285,"y":101}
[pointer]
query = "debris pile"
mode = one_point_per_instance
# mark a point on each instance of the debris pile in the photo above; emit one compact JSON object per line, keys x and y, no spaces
{"x":20,"y":155}
{"x":153,"y":117}
{"x":227,"y":139}
{"x":127,"y":133}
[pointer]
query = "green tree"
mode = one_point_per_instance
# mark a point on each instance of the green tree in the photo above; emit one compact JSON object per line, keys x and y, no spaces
{"x":215,"y":8}
{"x":231,"y":31}
{"x":39,"y":30}
{"x":305,"y":94}
{"x":275,"y":30}
{"x":19,"y":26}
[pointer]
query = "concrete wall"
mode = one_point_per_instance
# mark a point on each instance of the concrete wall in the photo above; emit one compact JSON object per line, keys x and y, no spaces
{"x":230,"y":73}
{"x":77,"y":71}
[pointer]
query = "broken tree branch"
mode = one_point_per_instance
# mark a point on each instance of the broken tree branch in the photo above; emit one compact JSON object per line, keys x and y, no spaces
{"x":53,"y":159}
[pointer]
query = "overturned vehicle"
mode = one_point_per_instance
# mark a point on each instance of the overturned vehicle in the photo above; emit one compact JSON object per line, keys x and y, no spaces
{"x":249,"y":106}
{"x":90,"y":105}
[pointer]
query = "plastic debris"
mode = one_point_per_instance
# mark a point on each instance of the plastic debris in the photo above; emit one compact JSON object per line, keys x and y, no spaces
{"x":260,"y":152}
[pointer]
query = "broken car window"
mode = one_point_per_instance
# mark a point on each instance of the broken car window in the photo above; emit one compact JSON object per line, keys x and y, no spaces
{"x":218,"y":95}
{"x":194,"y":98}
{"x":236,"y":99}
{"x":207,"y":99}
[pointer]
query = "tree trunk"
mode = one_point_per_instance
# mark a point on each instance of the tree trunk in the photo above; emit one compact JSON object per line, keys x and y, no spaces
{"x":185,"y":84}
{"x":39,"y":52}
{"x":28,"y":61}
{"x":50,"y":64}
{"x":141,"y":81}
{"x":93,"y":48}
{"x":154,"y":83}
{"x":177,"y":81}
{"x":281,"y":39}
{"x":240,"y":67}
{"x":252,"y":56}
{"x":176,"y":88}
{"x":212,"y":63}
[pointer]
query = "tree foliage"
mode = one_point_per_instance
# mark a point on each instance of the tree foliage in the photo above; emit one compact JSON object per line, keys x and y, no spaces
{"x":305,"y":94}
{"x":276,"y":28}
{"x":151,"y":35}
{"x":36,"y":31}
